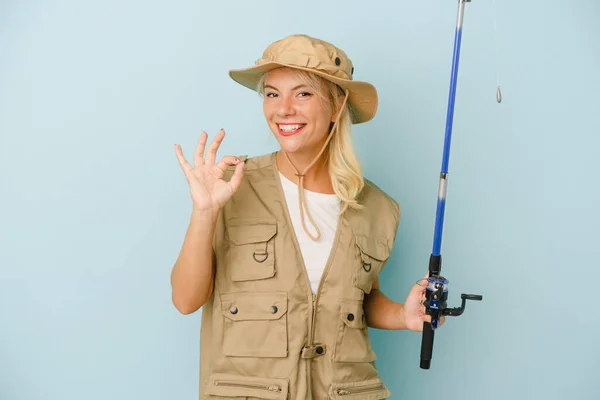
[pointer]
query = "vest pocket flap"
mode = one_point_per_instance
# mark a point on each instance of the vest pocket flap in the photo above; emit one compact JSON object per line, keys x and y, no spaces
{"x":372,"y":253}
{"x":227,"y":385}
{"x":371,"y":389}
{"x":256,"y":232}
{"x":254,"y":306}
{"x":251,"y":252}
{"x":352,"y":343}
{"x":255,"y":324}
{"x":352,"y":314}
{"x":374,"y":247}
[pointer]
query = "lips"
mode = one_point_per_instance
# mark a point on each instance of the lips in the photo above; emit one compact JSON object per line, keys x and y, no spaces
{"x":290,"y":129}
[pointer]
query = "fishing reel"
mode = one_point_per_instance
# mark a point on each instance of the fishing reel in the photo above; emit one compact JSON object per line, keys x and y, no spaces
{"x":436,"y":297}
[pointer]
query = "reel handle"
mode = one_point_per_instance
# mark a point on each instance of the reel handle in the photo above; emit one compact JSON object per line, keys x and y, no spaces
{"x":455,"y":312}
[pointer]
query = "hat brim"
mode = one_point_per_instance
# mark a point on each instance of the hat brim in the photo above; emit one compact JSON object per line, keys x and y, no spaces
{"x":362,"y":95}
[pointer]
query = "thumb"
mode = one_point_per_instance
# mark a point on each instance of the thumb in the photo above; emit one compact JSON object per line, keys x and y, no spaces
{"x":236,"y":178}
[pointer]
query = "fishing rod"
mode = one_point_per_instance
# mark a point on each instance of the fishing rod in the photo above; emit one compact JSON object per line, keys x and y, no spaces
{"x":436,"y":293}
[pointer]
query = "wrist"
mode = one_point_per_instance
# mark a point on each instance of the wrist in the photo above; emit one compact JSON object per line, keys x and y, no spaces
{"x":204,"y":217}
{"x":400,"y":316}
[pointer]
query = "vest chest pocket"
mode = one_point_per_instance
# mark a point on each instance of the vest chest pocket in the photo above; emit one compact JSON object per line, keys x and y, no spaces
{"x":353,"y":343}
{"x":251,"y":254}
{"x":254,"y":324}
{"x":372,"y":254}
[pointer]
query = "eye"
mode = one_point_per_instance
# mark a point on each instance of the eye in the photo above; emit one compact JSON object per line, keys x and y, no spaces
{"x":305,"y":94}
{"x":271,"y":94}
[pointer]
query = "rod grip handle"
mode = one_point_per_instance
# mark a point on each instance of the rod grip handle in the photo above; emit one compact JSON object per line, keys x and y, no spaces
{"x":426,"y":345}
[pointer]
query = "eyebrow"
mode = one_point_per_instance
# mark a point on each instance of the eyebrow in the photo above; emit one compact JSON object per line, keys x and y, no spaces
{"x":295,"y":88}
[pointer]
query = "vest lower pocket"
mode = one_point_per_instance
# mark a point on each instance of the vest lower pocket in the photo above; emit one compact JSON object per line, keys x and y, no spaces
{"x":372,"y":254}
{"x":251,"y":254}
{"x":353,"y":343}
{"x":372,"y":389}
{"x":226,"y":386}
{"x":255,"y":324}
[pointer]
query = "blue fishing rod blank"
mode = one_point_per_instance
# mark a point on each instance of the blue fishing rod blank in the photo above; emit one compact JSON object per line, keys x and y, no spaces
{"x":436,"y":293}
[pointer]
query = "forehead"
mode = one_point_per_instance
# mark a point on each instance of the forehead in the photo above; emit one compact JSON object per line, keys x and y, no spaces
{"x":286,"y":78}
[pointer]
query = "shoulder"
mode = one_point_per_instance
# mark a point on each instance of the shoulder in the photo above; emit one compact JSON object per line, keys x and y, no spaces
{"x":259,"y":162}
{"x":256,"y":162}
{"x":376,"y":224}
{"x":252,"y":199}
{"x":377,"y":201}
{"x":253,"y":164}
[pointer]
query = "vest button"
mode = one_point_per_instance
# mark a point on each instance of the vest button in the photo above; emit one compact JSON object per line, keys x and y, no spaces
{"x":274,"y":309}
{"x":350,"y":317}
{"x":319,"y":350}
{"x":233,"y":310}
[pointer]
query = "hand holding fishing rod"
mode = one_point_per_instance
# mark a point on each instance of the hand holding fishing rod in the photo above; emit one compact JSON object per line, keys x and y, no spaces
{"x":436,"y":293}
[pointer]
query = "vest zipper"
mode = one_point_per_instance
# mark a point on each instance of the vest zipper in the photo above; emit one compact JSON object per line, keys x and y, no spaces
{"x":270,"y":388}
{"x":315,"y":298}
{"x":358,"y":390}
{"x":336,"y":240}
{"x":313,"y":313}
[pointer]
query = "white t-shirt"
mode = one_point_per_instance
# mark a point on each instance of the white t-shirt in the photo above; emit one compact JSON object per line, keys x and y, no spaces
{"x":324,"y":210}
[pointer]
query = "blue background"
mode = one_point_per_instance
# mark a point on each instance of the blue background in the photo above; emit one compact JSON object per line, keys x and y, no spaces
{"x":93,"y":95}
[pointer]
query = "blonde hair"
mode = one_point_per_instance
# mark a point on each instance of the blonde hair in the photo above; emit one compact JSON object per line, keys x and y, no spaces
{"x":343,"y":165}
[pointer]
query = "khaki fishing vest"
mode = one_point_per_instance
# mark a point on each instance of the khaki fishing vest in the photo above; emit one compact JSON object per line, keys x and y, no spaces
{"x":264,"y":335}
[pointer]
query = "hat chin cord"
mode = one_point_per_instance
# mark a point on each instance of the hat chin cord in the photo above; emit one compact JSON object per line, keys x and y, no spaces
{"x":301,"y":176}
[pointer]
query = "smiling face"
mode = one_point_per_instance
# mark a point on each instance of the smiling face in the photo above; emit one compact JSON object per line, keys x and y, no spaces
{"x":298,"y":116}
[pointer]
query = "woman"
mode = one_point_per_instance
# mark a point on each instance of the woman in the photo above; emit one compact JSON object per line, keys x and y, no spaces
{"x":283,"y":251}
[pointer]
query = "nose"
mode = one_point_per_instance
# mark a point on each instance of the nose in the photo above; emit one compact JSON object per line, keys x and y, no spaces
{"x":286,"y":106}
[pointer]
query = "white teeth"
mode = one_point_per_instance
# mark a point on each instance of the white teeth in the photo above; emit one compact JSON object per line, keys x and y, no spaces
{"x":290,"y":128}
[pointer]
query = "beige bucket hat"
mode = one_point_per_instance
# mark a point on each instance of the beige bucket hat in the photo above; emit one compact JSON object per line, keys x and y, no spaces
{"x":319,"y":57}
